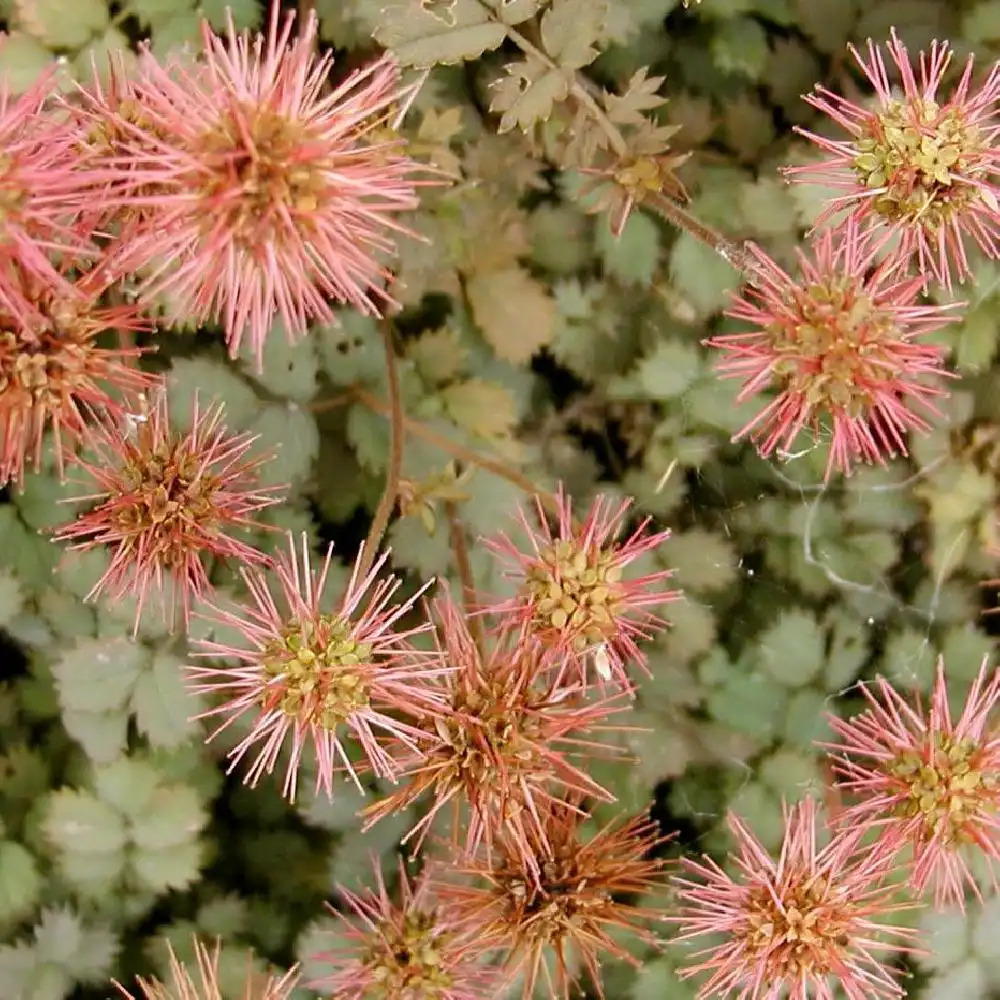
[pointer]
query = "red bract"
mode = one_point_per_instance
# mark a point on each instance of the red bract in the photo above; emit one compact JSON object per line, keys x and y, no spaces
{"x":307,"y":676}
{"x":925,"y":782}
{"x":165,"y":501}
{"x":840,"y":345}
{"x":504,"y":743}
{"x":41,"y":190}
{"x":401,"y":951}
{"x":262,"y":194}
{"x":795,"y":927}
{"x":573,"y":913}
{"x":927,"y":170}
{"x":574,"y":595}
{"x":52,"y":369}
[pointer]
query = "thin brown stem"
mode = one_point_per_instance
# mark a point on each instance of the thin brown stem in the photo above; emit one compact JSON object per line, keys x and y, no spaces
{"x":387,"y":502}
{"x":463,"y":454}
{"x":460,"y":550}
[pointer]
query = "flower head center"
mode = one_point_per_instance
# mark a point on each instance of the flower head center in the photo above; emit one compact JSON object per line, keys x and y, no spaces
{"x":831,"y":345}
{"x":262,"y":173}
{"x":576,"y":590}
{"x":946,"y":789}
{"x":318,"y":671}
{"x":920,"y":159}
{"x":168,"y":492}
{"x":406,"y":963}
{"x":799,"y":930}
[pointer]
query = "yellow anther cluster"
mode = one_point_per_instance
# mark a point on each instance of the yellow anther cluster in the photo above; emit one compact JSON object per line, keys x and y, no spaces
{"x":836,"y":346}
{"x":320,"y":672}
{"x":919,"y":156}
{"x":406,"y":964}
{"x":946,"y":791}
{"x":576,"y":591}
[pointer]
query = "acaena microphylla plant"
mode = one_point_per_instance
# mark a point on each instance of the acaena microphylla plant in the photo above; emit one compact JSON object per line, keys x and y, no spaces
{"x":798,"y":926}
{"x":203,"y":981}
{"x":262,"y":193}
{"x":555,"y":918}
{"x":511,"y":736}
{"x":925,"y":783}
{"x":840,"y":345}
{"x":165,"y":502}
{"x":921,"y":166}
{"x":307,"y":677}
{"x":408,"y":949}
{"x":575,"y":593}
{"x":54,"y":368}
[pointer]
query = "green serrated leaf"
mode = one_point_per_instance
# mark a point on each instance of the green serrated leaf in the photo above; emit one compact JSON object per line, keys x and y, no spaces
{"x":571,"y":29}
{"x":175,"y":817}
{"x":669,"y":370}
{"x":292,"y":433}
{"x":982,"y":23}
{"x":792,"y":651}
{"x":102,"y":735}
{"x":527,"y":93}
{"x":289,"y":369}
{"x":514,"y":311}
{"x":740,"y":46}
{"x":209,"y":382}
{"x":634,"y":256}
{"x":11,"y":597}
{"x":172,"y":868}
{"x":701,"y":276}
{"x":767,"y":206}
{"x":98,"y":675}
{"x":447,"y":32}
{"x":162,"y":705}
{"x":20,"y":882}
{"x":77,"y":821}
{"x":151,"y":12}
{"x":127,"y":785}
{"x":22,"y":60}
{"x":64,"y":24}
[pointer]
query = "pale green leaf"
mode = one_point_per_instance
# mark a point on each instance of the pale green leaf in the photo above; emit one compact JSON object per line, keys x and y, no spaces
{"x":790,"y":773}
{"x":22,"y":60}
{"x":175,"y":817}
{"x":946,"y":939}
{"x":289,"y":369}
{"x":368,"y":435}
{"x":291,"y":431}
{"x":210,"y":382}
{"x":632,"y":257}
{"x":527,"y":93}
{"x":437,"y":33}
{"x":977,"y":339}
{"x":20,"y":882}
{"x":246,"y":13}
{"x":748,"y":703}
{"x":967,"y":981}
{"x":560,"y":238}
{"x":11,"y":597}
{"x":96,"y":56}
{"x":571,"y":30}
{"x":740,"y":46}
{"x":63,"y":24}
{"x":102,"y":735}
{"x":482,"y":408}
{"x":98,"y":675}
{"x":701,"y":276}
{"x":982,"y":23}
{"x":351,"y":350}
{"x":692,"y":630}
{"x":162,"y":705}
{"x":516,"y":11}
{"x":77,"y":821}
{"x":514,"y":311}
{"x":172,"y":868}
{"x":152,"y":12}
{"x":703,"y":560}
{"x":767,"y":206}
{"x":93,"y":875}
{"x":792,"y":651}
{"x":128,"y":785}
{"x":183,"y":29}
{"x":669,"y":370}
{"x":805,"y":723}
{"x":657,"y":980}
{"x":827,"y":22}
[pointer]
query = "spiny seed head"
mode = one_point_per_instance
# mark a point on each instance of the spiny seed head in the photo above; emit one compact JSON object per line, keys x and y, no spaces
{"x":576,"y":596}
{"x":925,"y":782}
{"x":924,"y":166}
{"x":791,"y":926}
{"x":839,"y":345}
{"x":168,"y":499}
{"x":315,"y":677}
{"x":400,"y":946}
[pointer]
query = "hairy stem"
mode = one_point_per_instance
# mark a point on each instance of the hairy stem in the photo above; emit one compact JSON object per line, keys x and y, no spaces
{"x":463,"y":454}
{"x":460,"y":550}
{"x":387,"y":502}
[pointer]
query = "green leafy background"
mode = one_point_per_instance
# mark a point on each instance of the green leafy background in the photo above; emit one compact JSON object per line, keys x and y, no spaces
{"x":533,"y":336}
